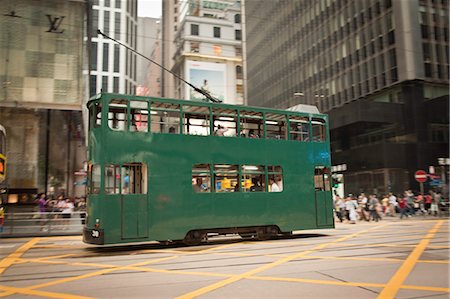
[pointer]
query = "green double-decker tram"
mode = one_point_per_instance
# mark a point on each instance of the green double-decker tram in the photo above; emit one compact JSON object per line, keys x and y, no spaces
{"x":175,"y":170}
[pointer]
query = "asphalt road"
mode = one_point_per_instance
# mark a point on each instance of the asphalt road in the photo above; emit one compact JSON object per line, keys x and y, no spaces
{"x":389,"y":259}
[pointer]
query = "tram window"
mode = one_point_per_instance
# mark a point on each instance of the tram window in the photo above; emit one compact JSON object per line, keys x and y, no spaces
{"x":95,"y":115}
{"x":196,"y":120}
{"x":251,"y":124}
{"x":165,"y":118}
{"x":318,"y":130}
{"x":276,"y":174}
{"x":227,"y":120}
{"x":134,"y":178}
{"x":253,"y":178}
{"x":299,"y":128}
{"x":276,"y":126}
{"x":95,"y":178}
{"x":321,"y":178}
{"x":201,"y":178}
{"x":117,"y":115}
{"x":112,"y":179}
{"x":138,"y":116}
{"x":225,"y":177}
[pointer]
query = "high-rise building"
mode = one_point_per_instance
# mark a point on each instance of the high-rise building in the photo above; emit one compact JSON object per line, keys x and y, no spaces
{"x":379,"y":68}
{"x":208,"y":49}
{"x":113,"y":68}
{"x":148,"y":31}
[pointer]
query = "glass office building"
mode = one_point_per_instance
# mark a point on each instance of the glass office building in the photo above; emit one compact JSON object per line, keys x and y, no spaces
{"x":379,"y":68}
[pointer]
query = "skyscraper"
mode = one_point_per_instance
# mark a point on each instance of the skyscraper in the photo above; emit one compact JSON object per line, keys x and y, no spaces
{"x":379,"y":68}
{"x":207,"y":48}
{"x":113,"y":68}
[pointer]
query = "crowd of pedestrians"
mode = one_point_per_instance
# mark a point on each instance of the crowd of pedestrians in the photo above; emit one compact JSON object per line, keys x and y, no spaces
{"x":60,"y":208}
{"x":372,"y":208}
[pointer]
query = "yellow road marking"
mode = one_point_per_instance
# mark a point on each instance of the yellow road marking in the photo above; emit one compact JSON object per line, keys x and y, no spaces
{"x":10,"y":259}
{"x":315,"y":281}
{"x":347,"y":283}
{"x":26,"y":291}
{"x":250,"y":273}
{"x":100,"y":272}
{"x":388,"y":245}
{"x":402,"y":273}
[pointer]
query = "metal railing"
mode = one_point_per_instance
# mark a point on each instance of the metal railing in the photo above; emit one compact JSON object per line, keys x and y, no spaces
{"x":41,"y":224}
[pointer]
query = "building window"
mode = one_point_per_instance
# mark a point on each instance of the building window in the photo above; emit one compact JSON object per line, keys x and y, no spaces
{"x":238,"y":72}
{"x":237,"y":18}
{"x":237,"y":34}
{"x":217,"y":32}
{"x":93,"y":85}
{"x":105,"y":57}
{"x":106,"y":22}
{"x":117,"y":25}
{"x":105,"y":84}
{"x":217,"y":50}
{"x":107,"y":4}
{"x":194,"y":29}
{"x":94,"y":56}
{"x":195,"y":47}
{"x":116,"y":58}
{"x":116,"y":85}
{"x":118,"y":3}
{"x":428,"y":72}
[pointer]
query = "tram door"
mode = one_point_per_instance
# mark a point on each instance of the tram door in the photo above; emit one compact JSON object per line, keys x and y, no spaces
{"x":134,"y":201}
{"x":324,"y":208}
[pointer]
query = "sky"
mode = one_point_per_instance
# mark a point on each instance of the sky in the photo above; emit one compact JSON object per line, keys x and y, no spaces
{"x":149,"y":8}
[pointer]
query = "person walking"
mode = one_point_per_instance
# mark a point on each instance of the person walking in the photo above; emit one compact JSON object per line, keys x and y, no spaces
{"x":403,"y":205}
{"x":392,"y":204}
{"x":373,"y":206}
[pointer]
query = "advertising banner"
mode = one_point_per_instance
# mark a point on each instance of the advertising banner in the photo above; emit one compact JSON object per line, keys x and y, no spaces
{"x":208,"y":76}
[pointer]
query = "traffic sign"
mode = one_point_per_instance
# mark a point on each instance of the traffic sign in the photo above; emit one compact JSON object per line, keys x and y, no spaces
{"x":420,"y":176}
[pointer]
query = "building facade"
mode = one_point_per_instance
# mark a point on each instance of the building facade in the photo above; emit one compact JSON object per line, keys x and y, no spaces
{"x":379,"y":68}
{"x":208,"y":50}
{"x":148,"y":32}
{"x":42,"y":56}
{"x":113,"y":68}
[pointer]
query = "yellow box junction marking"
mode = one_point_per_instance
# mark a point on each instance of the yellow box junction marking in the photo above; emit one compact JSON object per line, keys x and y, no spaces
{"x":396,"y":281}
{"x":271,"y":265}
{"x":10,"y":259}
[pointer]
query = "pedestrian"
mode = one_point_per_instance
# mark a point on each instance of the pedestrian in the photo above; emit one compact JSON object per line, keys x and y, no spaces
{"x":385,"y":205}
{"x":2,"y":218}
{"x":339,"y":210}
{"x":373,"y":206}
{"x":403,"y":205}
{"x":67,"y":212}
{"x":42,"y":204}
{"x":393,"y":204}
{"x":428,"y":200}
{"x":350,"y":207}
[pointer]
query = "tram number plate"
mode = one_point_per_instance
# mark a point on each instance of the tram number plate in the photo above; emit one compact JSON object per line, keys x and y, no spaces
{"x":95,"y":234}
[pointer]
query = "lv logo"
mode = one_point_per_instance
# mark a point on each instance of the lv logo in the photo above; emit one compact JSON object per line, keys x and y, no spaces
{"x":55,"y":23}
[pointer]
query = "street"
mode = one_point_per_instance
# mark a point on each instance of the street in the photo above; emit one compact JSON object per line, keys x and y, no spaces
{"x":388,"y":259}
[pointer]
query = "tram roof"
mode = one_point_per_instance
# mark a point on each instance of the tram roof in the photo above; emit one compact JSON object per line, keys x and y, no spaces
{"x":309,"y":110}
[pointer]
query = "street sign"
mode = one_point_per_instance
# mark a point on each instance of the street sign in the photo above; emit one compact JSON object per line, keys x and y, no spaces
{"x":420,"y":176}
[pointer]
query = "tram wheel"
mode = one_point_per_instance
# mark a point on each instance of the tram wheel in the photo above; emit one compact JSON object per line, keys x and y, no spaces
{"x":261,"y":234}
{"x":193,"y":238}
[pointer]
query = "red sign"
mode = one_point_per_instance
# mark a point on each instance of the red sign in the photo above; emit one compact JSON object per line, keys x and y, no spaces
{"x":420,"y":176}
